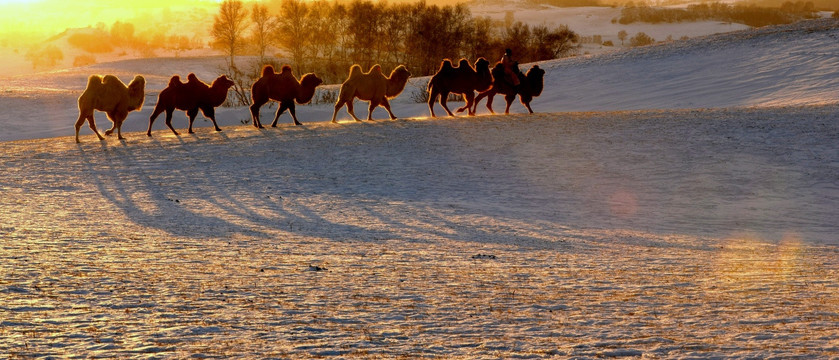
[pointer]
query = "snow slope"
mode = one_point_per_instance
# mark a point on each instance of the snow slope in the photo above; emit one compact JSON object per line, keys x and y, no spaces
{"x":774,"y":66}
{"x":656,"y":234}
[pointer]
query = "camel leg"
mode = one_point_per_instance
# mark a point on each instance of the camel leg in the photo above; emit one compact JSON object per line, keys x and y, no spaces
{"x":169,"y":120}
{"x":90,"y":122}
{"x":525,"y":100}
{"x":117,"y":119}
{"x":78,"y":126}
{"x":280,"y":111}
{"x":192,"y":113}
{"x":255,"y":112}
{"x":386,"y":105}
{"x":432,"y":96}
{"x":351,"y":111}
{"x":444,"y":99}
{"x":527,"y":105}
{"x":293,"y":112}
{"x":490,"y":97}
{"x":157,"y":110}
{"x":338,"y":106}
{"x":118,"y":124}
{"x":373,"y":104}
{"x":478,"y":100}
{"x":113,"y":124}
{"x":210,"y":113}
{"x":509,"y":99}
{"x":470,"y":98}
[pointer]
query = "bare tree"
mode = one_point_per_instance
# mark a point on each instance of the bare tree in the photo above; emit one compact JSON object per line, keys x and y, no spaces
{"x":229,"y":27}
{"x":622,"y":36}
{"x":263,"y":26}
{"x":293,"y":30}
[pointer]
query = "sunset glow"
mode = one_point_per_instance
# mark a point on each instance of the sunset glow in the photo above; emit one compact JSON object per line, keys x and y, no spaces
{"x":37,"y":19}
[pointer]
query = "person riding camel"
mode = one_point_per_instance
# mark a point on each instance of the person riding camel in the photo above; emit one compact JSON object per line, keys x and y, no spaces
{"x":510,"y":67}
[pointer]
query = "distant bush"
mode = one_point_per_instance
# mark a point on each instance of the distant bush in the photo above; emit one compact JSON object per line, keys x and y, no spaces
{"x":566,"y":3}
{"x":325,"y":96}
{"x":608,"y":43}
{"x":751,"y":15}
{"x":92,"y":43}
{"x":44,"y":57}
{"x":419,"y":93}
{"x":836,"y":14}
{"x":641,"y":39}
{"x":83,"y":60}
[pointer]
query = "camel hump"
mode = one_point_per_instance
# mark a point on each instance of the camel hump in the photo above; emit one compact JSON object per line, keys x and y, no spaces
{"x":267,"y":70}
{"x":110,"y":79}
{"x":446,"y":65}
{"x":94,"y":81}
{"x":192,"y":78}
{"x":463,"y":64}
{"x":175,"y":80}
{"x":376,"y":69}
{"x":285,"y":69}
{"x":355,"y":71}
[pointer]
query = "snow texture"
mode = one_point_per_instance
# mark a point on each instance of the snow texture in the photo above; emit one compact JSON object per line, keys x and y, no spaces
{"x":660,"y":232}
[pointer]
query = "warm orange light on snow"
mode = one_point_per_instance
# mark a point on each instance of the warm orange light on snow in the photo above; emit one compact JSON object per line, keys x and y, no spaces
{"x":753,"y":261}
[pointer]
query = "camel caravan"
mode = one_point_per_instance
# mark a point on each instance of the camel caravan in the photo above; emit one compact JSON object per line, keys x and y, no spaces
{"x":110,"y":95}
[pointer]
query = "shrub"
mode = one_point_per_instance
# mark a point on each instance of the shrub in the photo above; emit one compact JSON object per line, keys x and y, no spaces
{"x":92,"y":43}
{"x":751,"y":15}
{"x":44,"y":57}
{"x":641,"y":39}
{"x":83,"y":60}
{"x":419,"y":93}
{"x":608,"y":43}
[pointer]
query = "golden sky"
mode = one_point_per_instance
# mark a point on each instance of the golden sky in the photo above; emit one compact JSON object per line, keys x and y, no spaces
{"x":40,"y":18}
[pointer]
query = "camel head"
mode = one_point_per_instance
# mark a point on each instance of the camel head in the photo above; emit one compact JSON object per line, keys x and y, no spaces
{"x":308,"y":83}
{"x":222,"y":82}
{"x":535,"y":77}
{"x":397,"y":80}
{"x":310,"y":80}
{"x":136,"y":93}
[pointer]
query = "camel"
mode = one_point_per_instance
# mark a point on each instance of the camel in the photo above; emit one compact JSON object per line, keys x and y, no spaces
{"x":282,"y":87}
{"x":371,"y":86}
{"x":112,"y":96}
{"x":190,"y":97}
{"x":463,"y":79}
{"x":530,"y":86}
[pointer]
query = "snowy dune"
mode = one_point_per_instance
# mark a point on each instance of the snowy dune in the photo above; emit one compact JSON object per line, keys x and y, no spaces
{"x":650,"y":233}
{"x":776,"y":66}
{"x":661,"y":232}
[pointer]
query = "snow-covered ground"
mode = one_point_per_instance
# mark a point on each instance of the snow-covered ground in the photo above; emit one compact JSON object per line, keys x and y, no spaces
{"x":686,"y":209}
{"x":597,"y":21}
{"x":775,"y":66}
{"x":650,"y":233}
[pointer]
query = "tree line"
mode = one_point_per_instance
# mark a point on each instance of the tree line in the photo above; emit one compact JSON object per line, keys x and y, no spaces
{"x":751,"y":15}
{"x":328,"y":36}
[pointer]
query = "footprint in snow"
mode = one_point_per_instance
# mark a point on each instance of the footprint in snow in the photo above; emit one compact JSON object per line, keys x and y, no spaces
{"x":316,"y":268}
